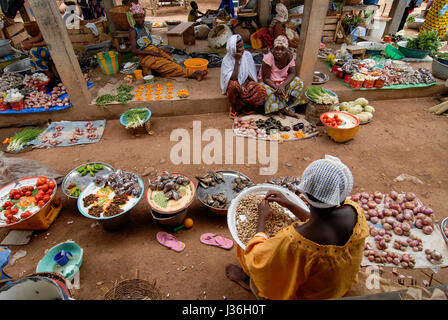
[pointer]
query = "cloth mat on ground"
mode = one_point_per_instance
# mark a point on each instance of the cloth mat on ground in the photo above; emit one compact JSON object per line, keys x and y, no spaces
{"x":86,"y":132}
{"x":281,"y":135}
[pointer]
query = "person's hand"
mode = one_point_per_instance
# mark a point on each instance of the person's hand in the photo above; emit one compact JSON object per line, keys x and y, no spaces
{"x":281,"y":92}
{"x":238,"y":56}
{"x":27,"y":44}
{"x":263,"y":209}
{"x":275,"y":196}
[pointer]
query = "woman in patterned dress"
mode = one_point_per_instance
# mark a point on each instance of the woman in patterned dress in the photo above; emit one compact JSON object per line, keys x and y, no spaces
{"x":437,"y":18}
{"x":284,"y":89}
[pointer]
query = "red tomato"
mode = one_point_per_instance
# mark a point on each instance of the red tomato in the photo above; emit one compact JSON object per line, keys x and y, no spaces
{"x":17,"y":196}
{"x":46,"y":198}
{"x":28,"y":193}
{"x":51,"y":185}
{"x":50,"y":191}
{"x":325,"y":116}
{"x":41,"y":204}
{"x":14,"y":220}
{"x":41,"y":181}
{"x":38,"y":197}
{"x":45,"y":187}
{"x":14,"y":210}
{"x":8,"y":221}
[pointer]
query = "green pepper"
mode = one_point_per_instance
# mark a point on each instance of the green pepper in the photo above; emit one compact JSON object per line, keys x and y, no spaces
{"x":84,"y":172}
{"x":98,"y":166}
{"x":92,"y":173}
{"x":80,"y":169}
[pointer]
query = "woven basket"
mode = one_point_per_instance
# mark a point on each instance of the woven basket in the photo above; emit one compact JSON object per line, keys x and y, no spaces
{"x":118,"y":16}
{"x":144,"y":129}
{"x":134,"y":289}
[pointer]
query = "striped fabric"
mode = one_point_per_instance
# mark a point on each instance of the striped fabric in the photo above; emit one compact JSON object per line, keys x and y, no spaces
{"x":435,"y":22}
{"x":164,"y":65}
{"x":328,"y":180}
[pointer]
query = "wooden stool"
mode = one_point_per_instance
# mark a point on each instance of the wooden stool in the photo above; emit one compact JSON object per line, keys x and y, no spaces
{"x":116,"y":36}
{"x":181,"y":35}
{"x":357,"y":51}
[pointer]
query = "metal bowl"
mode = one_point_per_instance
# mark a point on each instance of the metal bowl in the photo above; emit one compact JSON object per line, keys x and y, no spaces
{"x":442,"y":226}
{"x":21,"y":66}
{"x":222,"y":188}
{"x":83,"y":181}
{"x":323,"y":76}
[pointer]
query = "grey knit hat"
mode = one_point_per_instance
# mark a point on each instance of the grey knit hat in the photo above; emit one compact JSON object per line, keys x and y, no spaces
{"x":328,"y":180}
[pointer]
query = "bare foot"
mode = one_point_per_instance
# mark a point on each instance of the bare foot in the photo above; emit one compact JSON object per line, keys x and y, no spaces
{"x":281,"y":115}
{"x":200,"y":75}
{"x":237,"y":274}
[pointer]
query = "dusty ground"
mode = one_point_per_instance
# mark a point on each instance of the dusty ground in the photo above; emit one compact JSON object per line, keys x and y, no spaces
{"x":403,"y":138}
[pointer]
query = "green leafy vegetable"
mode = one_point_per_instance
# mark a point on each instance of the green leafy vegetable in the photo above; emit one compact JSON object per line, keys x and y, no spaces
{"x":21,"y":138}
{"x":136,"y":117}
{"x":124,"y":97}
{"x":426,"y":40}
{"x":124,"y":88}
{"x":105,"y":99}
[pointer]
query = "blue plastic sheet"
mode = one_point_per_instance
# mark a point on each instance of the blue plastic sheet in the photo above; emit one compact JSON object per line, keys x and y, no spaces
{"x":34,"y":110}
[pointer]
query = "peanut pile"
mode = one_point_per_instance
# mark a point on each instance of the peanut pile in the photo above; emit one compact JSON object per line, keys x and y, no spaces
{"x":274,"y":222}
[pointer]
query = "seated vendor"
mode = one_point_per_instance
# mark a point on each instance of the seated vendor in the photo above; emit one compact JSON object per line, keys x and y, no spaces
{"x":39,"y":54}
{"x":222,"y":17}
{"x":194,"y":13}
{"x":316,"y":258}
{"x":152,"y":57}
{"x":239,"y":79}
{"x":278,"y":73}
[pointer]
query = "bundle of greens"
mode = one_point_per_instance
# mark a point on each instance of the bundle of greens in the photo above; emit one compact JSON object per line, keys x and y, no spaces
{"x":105,"y":99}
{"x":124,"y":88}
{"x":21,"y":138}
{"x":426,"y":40}
{"x":136,"y":117}
{"x":123,"y":97}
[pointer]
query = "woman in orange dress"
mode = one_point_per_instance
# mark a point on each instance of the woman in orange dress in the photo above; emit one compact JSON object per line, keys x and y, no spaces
{"x":317,"y":258}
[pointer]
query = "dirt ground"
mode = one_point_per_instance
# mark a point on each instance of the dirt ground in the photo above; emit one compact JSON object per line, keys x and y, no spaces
{"x":402,"y":138}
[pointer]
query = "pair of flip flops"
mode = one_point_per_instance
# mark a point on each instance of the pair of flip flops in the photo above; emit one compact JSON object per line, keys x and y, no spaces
{"x":212,"y":239}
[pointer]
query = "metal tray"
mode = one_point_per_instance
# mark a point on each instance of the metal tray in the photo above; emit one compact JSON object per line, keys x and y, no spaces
{"x":442,"y":227}
{"x":324,"y":77}
{"x":224,"y":188}
{"x":83,"y":181}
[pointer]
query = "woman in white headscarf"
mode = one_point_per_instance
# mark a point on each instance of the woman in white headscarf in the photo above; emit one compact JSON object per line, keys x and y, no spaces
{"x":239,"y":79}
{"x":284,"y":89}
{"x":317,"y":258}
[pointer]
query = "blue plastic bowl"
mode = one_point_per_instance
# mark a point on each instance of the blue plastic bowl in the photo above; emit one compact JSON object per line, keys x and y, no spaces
{"x":47,"y":264}
{"x":124,"y":119}
{"x":115,"y":222}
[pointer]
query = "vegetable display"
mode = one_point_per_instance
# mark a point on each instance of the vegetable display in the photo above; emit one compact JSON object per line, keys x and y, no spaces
{"x":21,"y":203}
{"x":393,"y":218}
{"x":21,"y":138}
{"x":136,"y":117}
{"x":426,"y":40}
{"x":360,"y":108}
{"x":90,"y":169}
{"x":321,"y":96}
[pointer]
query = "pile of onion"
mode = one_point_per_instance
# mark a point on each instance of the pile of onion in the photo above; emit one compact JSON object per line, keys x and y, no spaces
{"x":424,"y":219}
{"x":386,"y":256}
{"x":369,"y":203}
{"x":381,"y":237}
{"x":433,"y":256}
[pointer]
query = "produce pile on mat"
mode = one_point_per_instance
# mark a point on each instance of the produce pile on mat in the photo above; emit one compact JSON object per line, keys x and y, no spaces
{"x":25,"y":199}
{"x":273,"y":128}
{"x":402,"y":230}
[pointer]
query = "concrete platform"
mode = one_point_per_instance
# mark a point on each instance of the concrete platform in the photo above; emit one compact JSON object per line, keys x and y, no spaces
{"x":205,"y":97}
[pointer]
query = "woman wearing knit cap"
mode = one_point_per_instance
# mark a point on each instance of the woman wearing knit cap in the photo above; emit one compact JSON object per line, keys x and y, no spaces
{"x":316,"y":258}
{"x":284,"y":89}
{"x":152,"y":57}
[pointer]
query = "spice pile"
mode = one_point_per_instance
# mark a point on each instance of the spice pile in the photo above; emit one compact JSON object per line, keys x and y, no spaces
{"x":274,"y":222}
{"x":394,"y":220}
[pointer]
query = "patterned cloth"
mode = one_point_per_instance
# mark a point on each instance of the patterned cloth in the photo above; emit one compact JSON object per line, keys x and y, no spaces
{"x":164,"y":65}
{"x":40,"y":56}
{"x":434,"y":21}
{"x":281,"y":41}
{"x":136,"y":8}
{"x":245,"y":97}
{"x":274,"y":103}
{"x":328,"y":180}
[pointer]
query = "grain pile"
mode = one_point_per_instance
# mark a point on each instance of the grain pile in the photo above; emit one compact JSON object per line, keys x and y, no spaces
{"x":274,"y":222}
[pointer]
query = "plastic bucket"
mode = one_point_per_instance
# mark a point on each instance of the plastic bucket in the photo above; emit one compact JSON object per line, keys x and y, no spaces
{"x":196,"y":64}
{"x":347,"y":79}
{"x":4,"y":106}
{"x":356,"y":84}
{"x":108,"y":62}
{"x":368,"y":84}
{"x":379,"y":83}
{"x":17,"y":106}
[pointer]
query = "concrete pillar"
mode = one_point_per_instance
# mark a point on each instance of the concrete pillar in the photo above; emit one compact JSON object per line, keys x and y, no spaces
{"x":396,"y":13}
